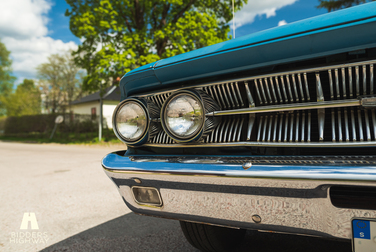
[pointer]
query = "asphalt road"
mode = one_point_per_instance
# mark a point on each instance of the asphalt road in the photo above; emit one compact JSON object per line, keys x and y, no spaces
{"x":77,"y":208}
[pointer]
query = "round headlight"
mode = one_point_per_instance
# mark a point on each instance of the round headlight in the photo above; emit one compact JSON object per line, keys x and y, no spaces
{"x":131,"y":121}
{"x":183,"y":116}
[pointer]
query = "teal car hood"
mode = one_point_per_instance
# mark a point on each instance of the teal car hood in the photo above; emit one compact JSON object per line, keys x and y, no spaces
{"x":341,"y":31}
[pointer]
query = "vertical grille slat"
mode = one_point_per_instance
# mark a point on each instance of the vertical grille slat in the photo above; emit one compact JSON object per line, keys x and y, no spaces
{"x":357,"y":80}
{"x":240,"y":96}
{"x":337,"y":83}
{"x":278,"y":89}
{"x":267,"y":90}
{"x":361,"y":138}
{"x":309,"y":128}
{"x":284,"y":89}
{"x":275,"y":128}
{"x":259,"y":129}
{"x":343,"y":82}
{"x":347,"y":126}
{"x":350,"y":82}
{"x":333,"y":127}
{"x":364,"y":79}
{"x":339,"y":126}
{"x":331,"y":84}
{"x":297,"y":127}
{"x":368,"y":130}
{"x":353,"y":125}
{"x":301,"y":87}
{"x":258,"y":91}
{"x":295,"y":89}
{"x":230,"y":96}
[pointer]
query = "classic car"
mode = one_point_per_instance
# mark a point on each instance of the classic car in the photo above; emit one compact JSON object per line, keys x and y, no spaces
{"x":271,"y":131}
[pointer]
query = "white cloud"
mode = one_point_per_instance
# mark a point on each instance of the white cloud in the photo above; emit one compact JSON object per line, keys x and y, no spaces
{"x":282,"y":22}
{"x":23,"y":30}
{"x":256,"y":8}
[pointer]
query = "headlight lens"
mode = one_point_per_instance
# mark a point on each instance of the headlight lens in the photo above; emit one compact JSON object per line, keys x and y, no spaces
{"x":131,"y":121}
{"x":184,"y":116}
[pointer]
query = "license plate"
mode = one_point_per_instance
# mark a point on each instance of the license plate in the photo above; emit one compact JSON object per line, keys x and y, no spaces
{"x":363,"y":235}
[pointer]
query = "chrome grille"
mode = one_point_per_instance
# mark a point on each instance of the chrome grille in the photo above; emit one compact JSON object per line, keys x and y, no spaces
{"x":229,"y":130}
{"x":279,"y":109}
{"x":288,"y":127}
{"x":227,"y":95}
{"x":159,"y":99}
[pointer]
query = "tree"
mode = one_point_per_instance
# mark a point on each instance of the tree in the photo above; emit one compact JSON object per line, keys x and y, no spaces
{"x":25,"y":100}
{"x":60,"y":81}
{"x":120,"y":35}
{"x":332,"y":5}
{"x":6,"y":78}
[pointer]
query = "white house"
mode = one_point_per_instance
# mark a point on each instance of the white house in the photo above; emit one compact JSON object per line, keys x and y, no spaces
{"x":89,"y":105}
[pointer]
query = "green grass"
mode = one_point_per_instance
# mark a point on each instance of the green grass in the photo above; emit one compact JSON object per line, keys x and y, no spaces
{"x":108,"y":137}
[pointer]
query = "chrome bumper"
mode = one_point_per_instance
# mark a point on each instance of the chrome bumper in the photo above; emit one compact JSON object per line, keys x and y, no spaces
{"x":289,"y":194}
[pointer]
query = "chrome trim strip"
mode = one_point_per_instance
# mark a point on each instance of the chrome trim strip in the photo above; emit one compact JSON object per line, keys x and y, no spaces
{"x":270,"y":144}
{"x":289,"y":107}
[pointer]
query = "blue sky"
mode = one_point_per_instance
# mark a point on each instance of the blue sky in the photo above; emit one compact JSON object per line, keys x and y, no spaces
{"x":44,"y":30}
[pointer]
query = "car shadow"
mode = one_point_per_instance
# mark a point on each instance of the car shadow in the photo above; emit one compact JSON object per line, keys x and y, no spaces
{"x":133,"y":232}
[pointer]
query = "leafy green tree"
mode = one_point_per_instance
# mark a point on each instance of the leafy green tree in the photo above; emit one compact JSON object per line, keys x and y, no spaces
{"x":60,"y":81}
{"x":120,"y":35}
{"x":332,"y":5}
{"x":6,"y":78}
{"x":25,"y":100}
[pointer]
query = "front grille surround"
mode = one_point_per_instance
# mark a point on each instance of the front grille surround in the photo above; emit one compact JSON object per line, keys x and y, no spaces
{"x":266,"y":110}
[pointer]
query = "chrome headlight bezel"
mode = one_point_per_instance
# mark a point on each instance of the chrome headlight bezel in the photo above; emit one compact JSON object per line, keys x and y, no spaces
{"x":144,"y":136}
{"x":204,"y":127}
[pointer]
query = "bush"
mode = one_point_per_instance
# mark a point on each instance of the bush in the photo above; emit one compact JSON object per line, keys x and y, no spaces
{"x":45,"y":124}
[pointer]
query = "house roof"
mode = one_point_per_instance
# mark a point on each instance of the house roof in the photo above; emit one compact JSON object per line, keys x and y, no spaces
{"x":111,"y":94}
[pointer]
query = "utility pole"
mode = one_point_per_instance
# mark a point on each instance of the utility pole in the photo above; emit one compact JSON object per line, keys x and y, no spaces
{"x":100,"y":113}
